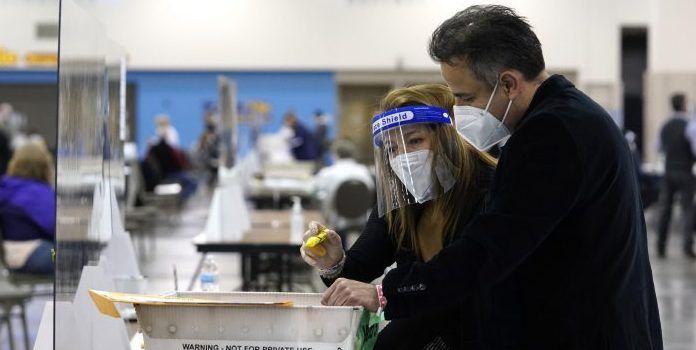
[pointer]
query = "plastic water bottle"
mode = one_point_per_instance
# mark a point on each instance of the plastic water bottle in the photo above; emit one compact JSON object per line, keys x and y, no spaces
{"x":296,"y":221}
{"x":210,"y":281}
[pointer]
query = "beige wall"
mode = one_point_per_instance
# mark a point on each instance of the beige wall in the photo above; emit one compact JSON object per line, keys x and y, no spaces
{"x":671,"y":64}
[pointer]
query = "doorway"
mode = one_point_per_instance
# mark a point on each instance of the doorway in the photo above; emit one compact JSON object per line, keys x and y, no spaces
{"x":634,"y":62}
{"x":358,"y":104}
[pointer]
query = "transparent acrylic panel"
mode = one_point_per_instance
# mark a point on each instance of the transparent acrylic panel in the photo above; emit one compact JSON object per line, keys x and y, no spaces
{"x":79,"y":168}
{"x":90,"y":181}
{"x":115,"y":132}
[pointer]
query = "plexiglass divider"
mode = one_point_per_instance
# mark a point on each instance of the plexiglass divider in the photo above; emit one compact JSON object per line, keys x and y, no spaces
{"x":90,"y":181}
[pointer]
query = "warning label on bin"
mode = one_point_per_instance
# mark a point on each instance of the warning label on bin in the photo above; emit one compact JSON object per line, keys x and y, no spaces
{"x":192,"y":346}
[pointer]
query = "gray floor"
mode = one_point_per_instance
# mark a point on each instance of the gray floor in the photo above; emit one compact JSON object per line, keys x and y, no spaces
{"x":675,"y":277}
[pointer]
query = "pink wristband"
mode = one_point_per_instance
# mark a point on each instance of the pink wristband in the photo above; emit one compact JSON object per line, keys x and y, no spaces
{"x":380,"y":297}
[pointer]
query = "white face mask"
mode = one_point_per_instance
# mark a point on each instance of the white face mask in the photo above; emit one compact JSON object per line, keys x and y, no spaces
{"x":479,"y":126}
{"x":415,"y":172}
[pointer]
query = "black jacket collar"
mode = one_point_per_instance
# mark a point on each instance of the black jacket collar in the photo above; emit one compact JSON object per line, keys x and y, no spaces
{"x":548,"y":89}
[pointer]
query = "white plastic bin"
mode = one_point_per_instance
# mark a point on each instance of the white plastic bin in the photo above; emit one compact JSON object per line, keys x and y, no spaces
{"x":305,"y":325}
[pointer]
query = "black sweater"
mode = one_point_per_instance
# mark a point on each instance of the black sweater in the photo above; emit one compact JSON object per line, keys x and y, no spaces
{"x":559,"y":256}
{"x":375,"y":250}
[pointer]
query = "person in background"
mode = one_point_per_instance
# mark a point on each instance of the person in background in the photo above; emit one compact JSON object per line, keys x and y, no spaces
{"x":303,"y":144}
{"x":328,"y":179}
{"x":15,"y":125}
{"x":649,"y":183}
{"x":26,"y":135}
{"x":677,"y":141}
{"x":165,"y":164}
{"x":165,"y":131}
{"x":28,"y":210}
{"x":430,"y":182}
{"x":631,"y":137}
{"x":209,"y":149}
{"x":321,"y":136}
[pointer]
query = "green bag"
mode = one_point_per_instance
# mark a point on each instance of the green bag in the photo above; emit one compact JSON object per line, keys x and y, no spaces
{"x":368,"y":329}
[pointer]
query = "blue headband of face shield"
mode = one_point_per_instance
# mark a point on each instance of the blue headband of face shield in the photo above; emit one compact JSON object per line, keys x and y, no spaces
{"x":407,"y":115}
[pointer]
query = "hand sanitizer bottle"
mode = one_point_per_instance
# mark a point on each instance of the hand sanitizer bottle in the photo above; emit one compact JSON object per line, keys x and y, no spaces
{"x":296,"y":221}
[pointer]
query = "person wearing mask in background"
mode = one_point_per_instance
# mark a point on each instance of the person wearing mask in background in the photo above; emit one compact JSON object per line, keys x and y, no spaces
{"x":302,"y":143}
{"x":14,"y":124}
{"x":559,"y":255}
{"x":328,"y":179}
{"x":165,"y":162}
{"x":430,"y":182}
{"x":165,"y":131}
{"x":321,"y":136}
{"x":28,"y":210}
{"x":677,"y":141}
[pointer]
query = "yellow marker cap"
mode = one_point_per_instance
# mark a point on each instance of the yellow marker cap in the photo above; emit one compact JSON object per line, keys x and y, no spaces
{"x":314,"y":243}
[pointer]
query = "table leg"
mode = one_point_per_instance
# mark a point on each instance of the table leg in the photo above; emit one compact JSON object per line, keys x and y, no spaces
{"x":245,"y":271}
{"x":288,"y":266}
{"x":23,"y":315}
{"x":197,"y":272}
{"x":276,"y":200}
{"x":253,"y":276}
{"x":4,"y":320}
{"x":281,"y":276}
{"x":10,"y":334}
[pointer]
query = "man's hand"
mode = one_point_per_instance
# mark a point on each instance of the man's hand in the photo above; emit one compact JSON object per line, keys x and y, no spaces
{"x":345,"y":292}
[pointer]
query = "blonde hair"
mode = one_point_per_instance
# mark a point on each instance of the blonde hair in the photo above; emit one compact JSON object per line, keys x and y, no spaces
{"x":448,"y":147}
{"x":32,"y":161}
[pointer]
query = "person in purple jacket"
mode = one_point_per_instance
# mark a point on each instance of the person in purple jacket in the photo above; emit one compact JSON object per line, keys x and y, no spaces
{"x":28,"y":210}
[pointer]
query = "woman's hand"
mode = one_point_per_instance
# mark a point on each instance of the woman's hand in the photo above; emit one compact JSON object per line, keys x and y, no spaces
{"x":345,"y":292}
{"x":333,"y":246}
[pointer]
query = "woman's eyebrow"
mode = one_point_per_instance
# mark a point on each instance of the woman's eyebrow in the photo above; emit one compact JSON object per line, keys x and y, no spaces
{"x":411,"y":132}
{"x":395,"y":139}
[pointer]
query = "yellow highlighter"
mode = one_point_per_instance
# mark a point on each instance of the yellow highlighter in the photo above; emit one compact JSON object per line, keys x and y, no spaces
{"x":314,"y":243}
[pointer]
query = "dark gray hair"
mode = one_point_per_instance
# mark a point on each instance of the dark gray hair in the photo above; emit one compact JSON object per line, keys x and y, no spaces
{"x":678,"y":101}
{"x":489,"y":39}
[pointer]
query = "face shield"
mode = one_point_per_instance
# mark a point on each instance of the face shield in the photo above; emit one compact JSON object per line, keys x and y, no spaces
{"x":409,"y":163}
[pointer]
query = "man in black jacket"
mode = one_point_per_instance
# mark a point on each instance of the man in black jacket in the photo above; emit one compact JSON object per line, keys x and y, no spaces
{"x":559,"y":257}
{"x":678,"y":143}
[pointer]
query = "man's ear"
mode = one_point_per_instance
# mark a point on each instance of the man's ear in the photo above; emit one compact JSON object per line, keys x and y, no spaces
{"x":511,"y":82}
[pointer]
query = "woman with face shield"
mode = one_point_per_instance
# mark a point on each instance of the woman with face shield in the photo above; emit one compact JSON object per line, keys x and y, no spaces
{"x":429,"y":183}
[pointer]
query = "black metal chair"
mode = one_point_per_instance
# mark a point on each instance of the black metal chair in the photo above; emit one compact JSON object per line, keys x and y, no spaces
{"x":12,"y":296}
{"x":350,"y":205}
{"x":139,"y":220}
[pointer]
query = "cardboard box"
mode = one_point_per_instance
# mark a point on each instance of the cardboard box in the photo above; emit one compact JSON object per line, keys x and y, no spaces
{"x":238,"y":321}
